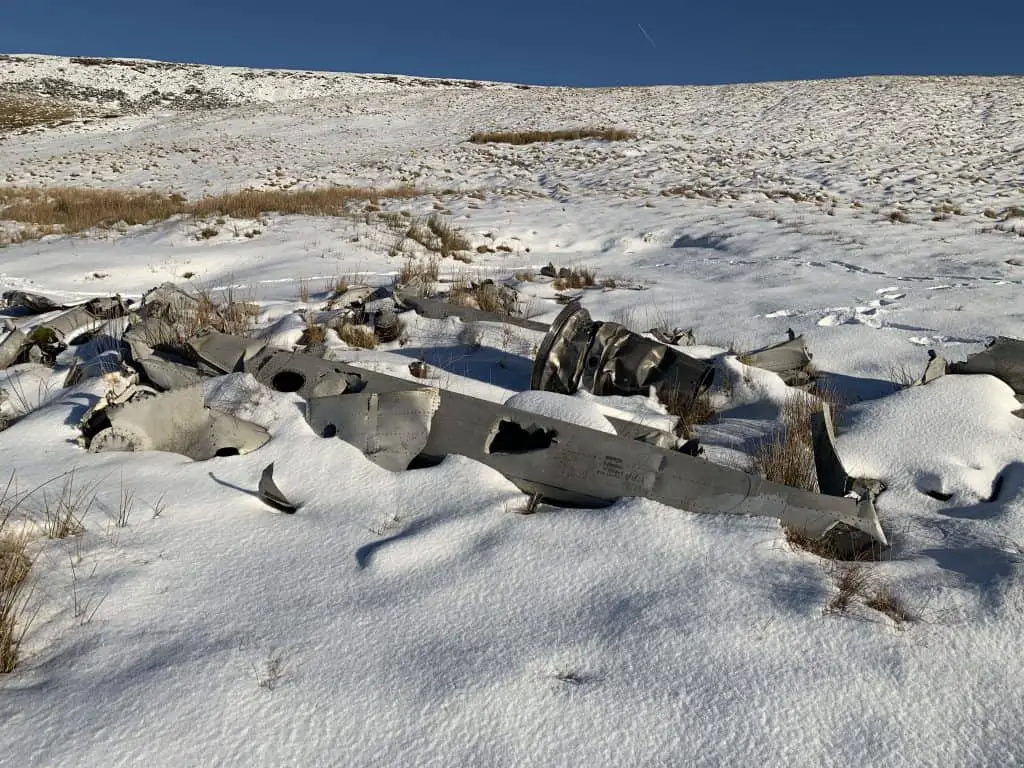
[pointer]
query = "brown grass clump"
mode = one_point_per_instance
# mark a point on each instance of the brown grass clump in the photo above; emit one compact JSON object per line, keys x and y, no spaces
{"x":420,"y":233}
{"x":71,"y":210}
{"x":851,"y":582}
{"x":65,"y":511}
{"x":313,"y":333}
{"x":451,"y":240}
{"x":15,"y":566}
{"x":579,"y":277}
{"x":690,"y":411}
{"x":858,"y":583}
{"x":18,"y":112}
{"x":232,"y":315}
{"x":428,"y":270}
{"x":438,"y":236}
{"x":484,"y":296}
{"x":14,"y":569}
{"x":824,"y":548}
{"x":787,"y":456}
{"x":358,"y":336}
{"x":946,"y":208}
{"x":532,"y":137}
{"x":884,"y":600}
{"x":228,"y":314}
{"x":330,"y":201}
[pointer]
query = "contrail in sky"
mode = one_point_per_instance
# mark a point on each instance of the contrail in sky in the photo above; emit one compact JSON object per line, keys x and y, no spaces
{"x":649,"y":40}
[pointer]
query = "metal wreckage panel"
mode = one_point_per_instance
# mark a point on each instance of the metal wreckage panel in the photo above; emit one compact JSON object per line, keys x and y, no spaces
{"x":398,"y":423}
{"x":46,"y":339}
{"x":178,"y":422}
{"x":439,"y":310}
{"x":608,"y":359}
{"x":1003,"y":357}
{"x":565,"y":463}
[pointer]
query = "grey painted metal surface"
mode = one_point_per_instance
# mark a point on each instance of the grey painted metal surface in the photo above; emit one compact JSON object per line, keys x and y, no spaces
{"x":1003,"y":358}
{"x":935,"y":369}
{"x":178,"y":422}
{"x":221,"y":351}
{"x":271,"y":495}
{"x":390,"y":428}
{"x":789,"y":359}
{"x":439,"y":310}
{"x":49,"y":338}
{"x":11,"y":346}
{"x":832,"y":477}
{"x":307,"y":375}
{"x":570,"y":464}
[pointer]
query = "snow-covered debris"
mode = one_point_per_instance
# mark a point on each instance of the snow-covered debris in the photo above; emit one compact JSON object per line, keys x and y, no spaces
{"x":397,"y":611}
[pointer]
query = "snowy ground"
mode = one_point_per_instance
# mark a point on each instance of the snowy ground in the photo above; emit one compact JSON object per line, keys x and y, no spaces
{"x":416,"y":618}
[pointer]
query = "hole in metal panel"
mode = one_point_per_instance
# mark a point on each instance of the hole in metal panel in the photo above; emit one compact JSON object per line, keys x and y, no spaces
{"x":288,"y":381}
{"x":513,"y":438}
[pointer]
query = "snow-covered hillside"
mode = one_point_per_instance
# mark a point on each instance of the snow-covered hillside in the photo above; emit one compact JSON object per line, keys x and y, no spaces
{"x":416,"y":618}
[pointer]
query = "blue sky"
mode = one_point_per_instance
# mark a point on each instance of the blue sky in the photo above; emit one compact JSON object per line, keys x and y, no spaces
{"x":535,"y":41}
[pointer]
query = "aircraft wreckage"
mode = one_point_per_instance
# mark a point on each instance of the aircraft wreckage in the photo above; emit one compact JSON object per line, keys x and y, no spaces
{"x":401,"y":424}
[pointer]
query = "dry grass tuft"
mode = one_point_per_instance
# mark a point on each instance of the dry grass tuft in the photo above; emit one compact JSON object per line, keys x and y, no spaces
{"x":525,"y":275}
{"x":852,"y":582}
{"x":579,"y":277}
{"x":884,"y":600}
{"x":18,"y":112}
{"x":427,"y":270}
{"x":787,"y":456}
{"x":947,"y":208}
{"x":690,"y":411}
{"x":859,"y":583}
{"x":451,"y":240}
{"x":329,"y":201}
{"x":486,"y":296}
{"x":902,"y":377}
{"x":532,"y":137}
{"x":15,"y":565}
{"x":14,"y":569}
{"x":70,"y":210}
{"x":338,"y":286}
{"x":358,"y":336}
{"x":230,"y":314}
{"x":824,"y":548}
{"x":63,"y":513}
{"x":437,"y":236}
{"x":313,"y":333}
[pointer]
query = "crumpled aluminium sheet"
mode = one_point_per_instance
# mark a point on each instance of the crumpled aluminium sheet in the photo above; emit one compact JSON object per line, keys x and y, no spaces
{"x":390,"y":428}
{"x":609,"y":359}
{"x":564,"y":462}
{"x":789,"y":359}
{"x":177,"y":422}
